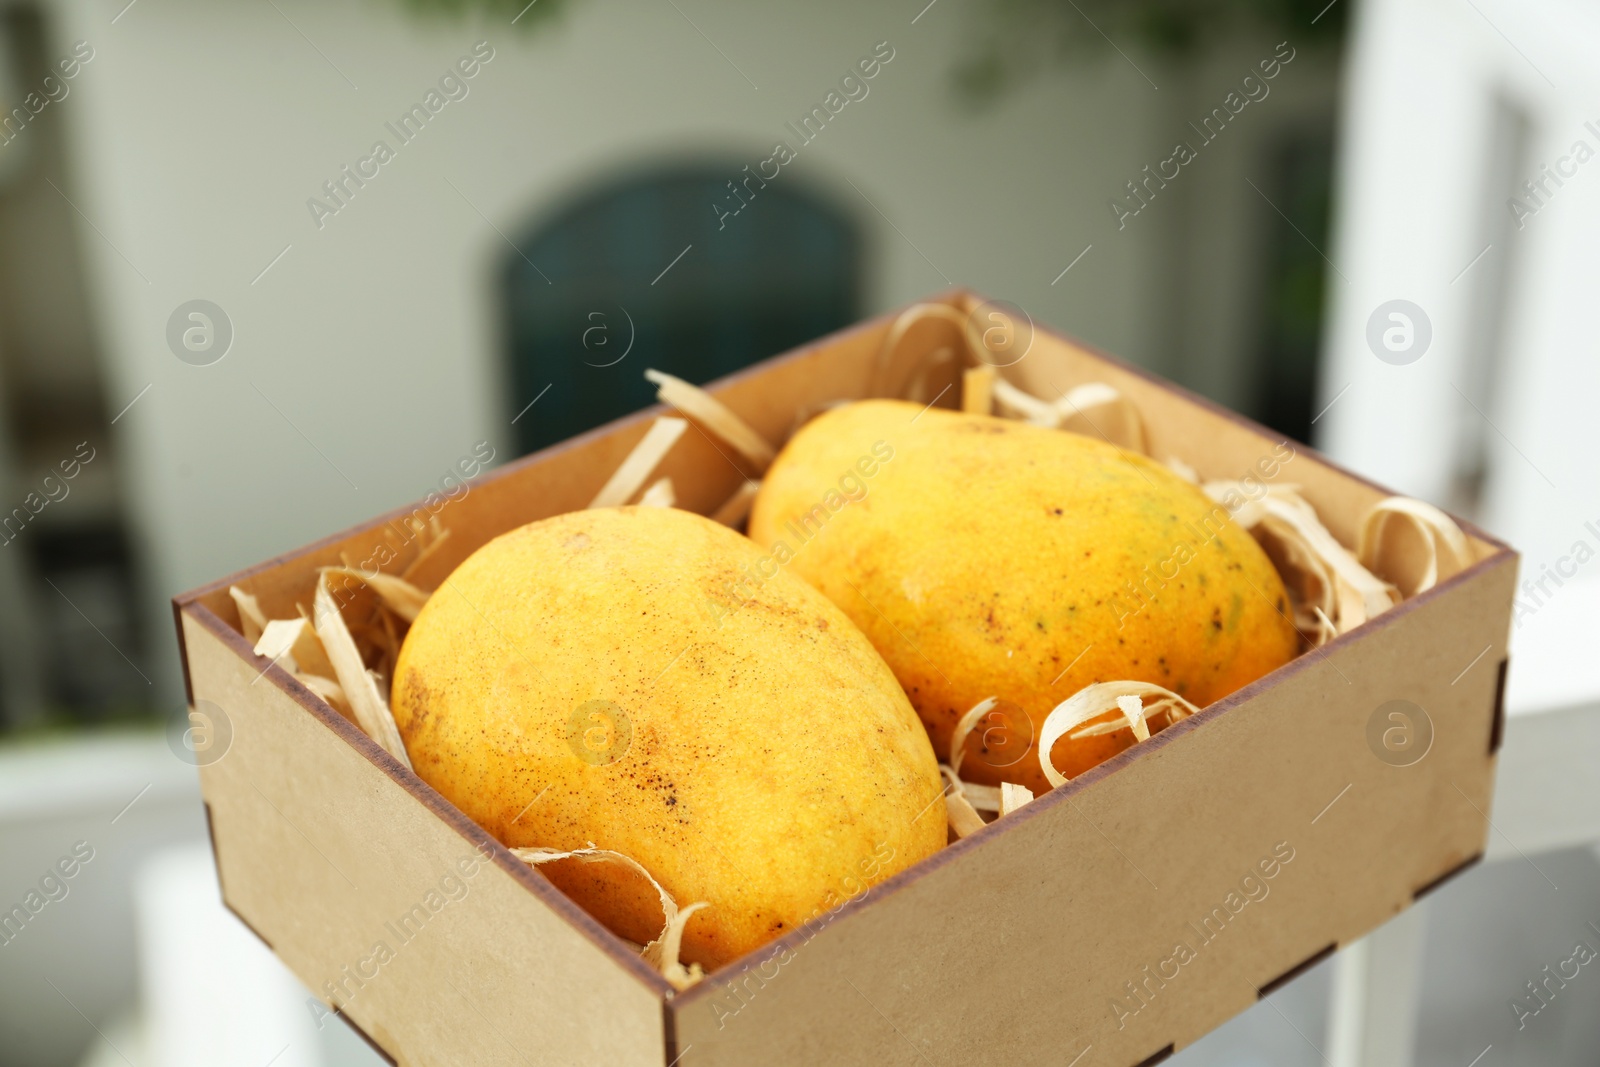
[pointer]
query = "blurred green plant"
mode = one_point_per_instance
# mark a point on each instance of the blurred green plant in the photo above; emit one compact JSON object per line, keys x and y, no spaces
{"x":1012,"y":40}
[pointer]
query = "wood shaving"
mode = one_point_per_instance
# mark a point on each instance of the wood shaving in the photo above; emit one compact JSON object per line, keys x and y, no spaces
{"x":879,"y":384}
{"x":958,"y":736}
{"x":1182,"y":470}
{"x":981,"y":797}
{"x":715,"y":416}
{"x":396,"y":594}
{"x":659,"y":495}
{"x":331,"y":692}
{"x":293,"y":645}
{"x":1013,"y":796}
{"x":251,"y":618}
{"x":1132,"y":709}
{"x":1018,"y":404}
{"x":640,"y":463}
{"x":1411,"y":544}
{"x":1330,"y":591}
{"x":977,"y":390}
{"x":360,"y":687}
{"x":663,"y":952}
{"x":964,"y":818}
{"x":736,"y":508}
{"x":1102,"y":698}
{"x":1093,"y":409}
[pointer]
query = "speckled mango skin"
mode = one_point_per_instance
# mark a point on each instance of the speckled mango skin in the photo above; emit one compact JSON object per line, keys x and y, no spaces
{"x":991,"y":558}
{"x":771,"y":765}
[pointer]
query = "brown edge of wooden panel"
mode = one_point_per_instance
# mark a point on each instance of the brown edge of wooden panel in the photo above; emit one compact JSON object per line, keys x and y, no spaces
{"x":669,"y":1032}
{"x":383,"y":1054}
{"x":1255,"y":427}
{"x":452,"y":816}
{"x":211,"y":835}
{"x":1062,"y":794}
{"x":1296,"y":971}
{"x":1158,"y":1056}
{"x":1460,"y":868}
{"x":1497,"y":732}
{"x":183,"y":649}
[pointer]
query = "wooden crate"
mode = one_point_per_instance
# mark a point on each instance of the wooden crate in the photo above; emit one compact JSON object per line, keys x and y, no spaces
{"x":1051,"y":934}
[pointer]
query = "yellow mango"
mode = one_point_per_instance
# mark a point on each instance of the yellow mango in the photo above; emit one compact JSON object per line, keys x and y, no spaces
{"x":612,"y":677}
{"x":990,"y":558}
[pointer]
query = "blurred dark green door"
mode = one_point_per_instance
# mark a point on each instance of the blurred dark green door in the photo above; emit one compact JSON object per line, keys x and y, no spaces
{"x":649,"y":273}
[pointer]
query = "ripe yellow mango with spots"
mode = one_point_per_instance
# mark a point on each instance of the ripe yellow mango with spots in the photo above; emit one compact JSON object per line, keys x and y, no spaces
{"x":613,"y":677}
{"x":991,"y":558}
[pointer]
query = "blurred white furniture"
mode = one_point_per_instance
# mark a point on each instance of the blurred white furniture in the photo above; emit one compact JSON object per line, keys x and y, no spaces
{"x":1451,"y":108}
{"x":124,"y":795}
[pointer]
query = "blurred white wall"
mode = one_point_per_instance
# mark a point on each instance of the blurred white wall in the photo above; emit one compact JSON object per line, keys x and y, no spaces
{"x":366,"y":361}
{"x":1513,"y":367}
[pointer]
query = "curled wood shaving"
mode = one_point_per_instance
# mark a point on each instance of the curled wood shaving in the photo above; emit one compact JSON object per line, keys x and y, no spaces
{"x":878,"y":384}
{"x":1331,"y":592}
{"x":958,"y":736}
{"x":646,"y":455}
{"x":981,"y":797}
{"x":715,"y":416}
{"x":1016,"y":403}
{"x":396,"y":594}
{"x":736,"y":508}
{"x":662,"y":953}
{"x":1132,"y":709}
{"x":293,"y":645}
{"x":1183,"y":470}
{"x":659,"y":495}
{"x":964,"y":818}
{"x":1093,"y":409}
{"x":251,"y":618}
{"x":1093,"y":701}
{"x":1013,"y":796}
{"x":360,"y":687}
{"x":1436,"y":549}
{"x":977,"y":389}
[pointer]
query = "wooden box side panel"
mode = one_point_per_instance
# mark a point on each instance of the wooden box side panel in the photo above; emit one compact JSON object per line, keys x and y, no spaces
{"x":388,"y":911}
{"x":1059,"y":929}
